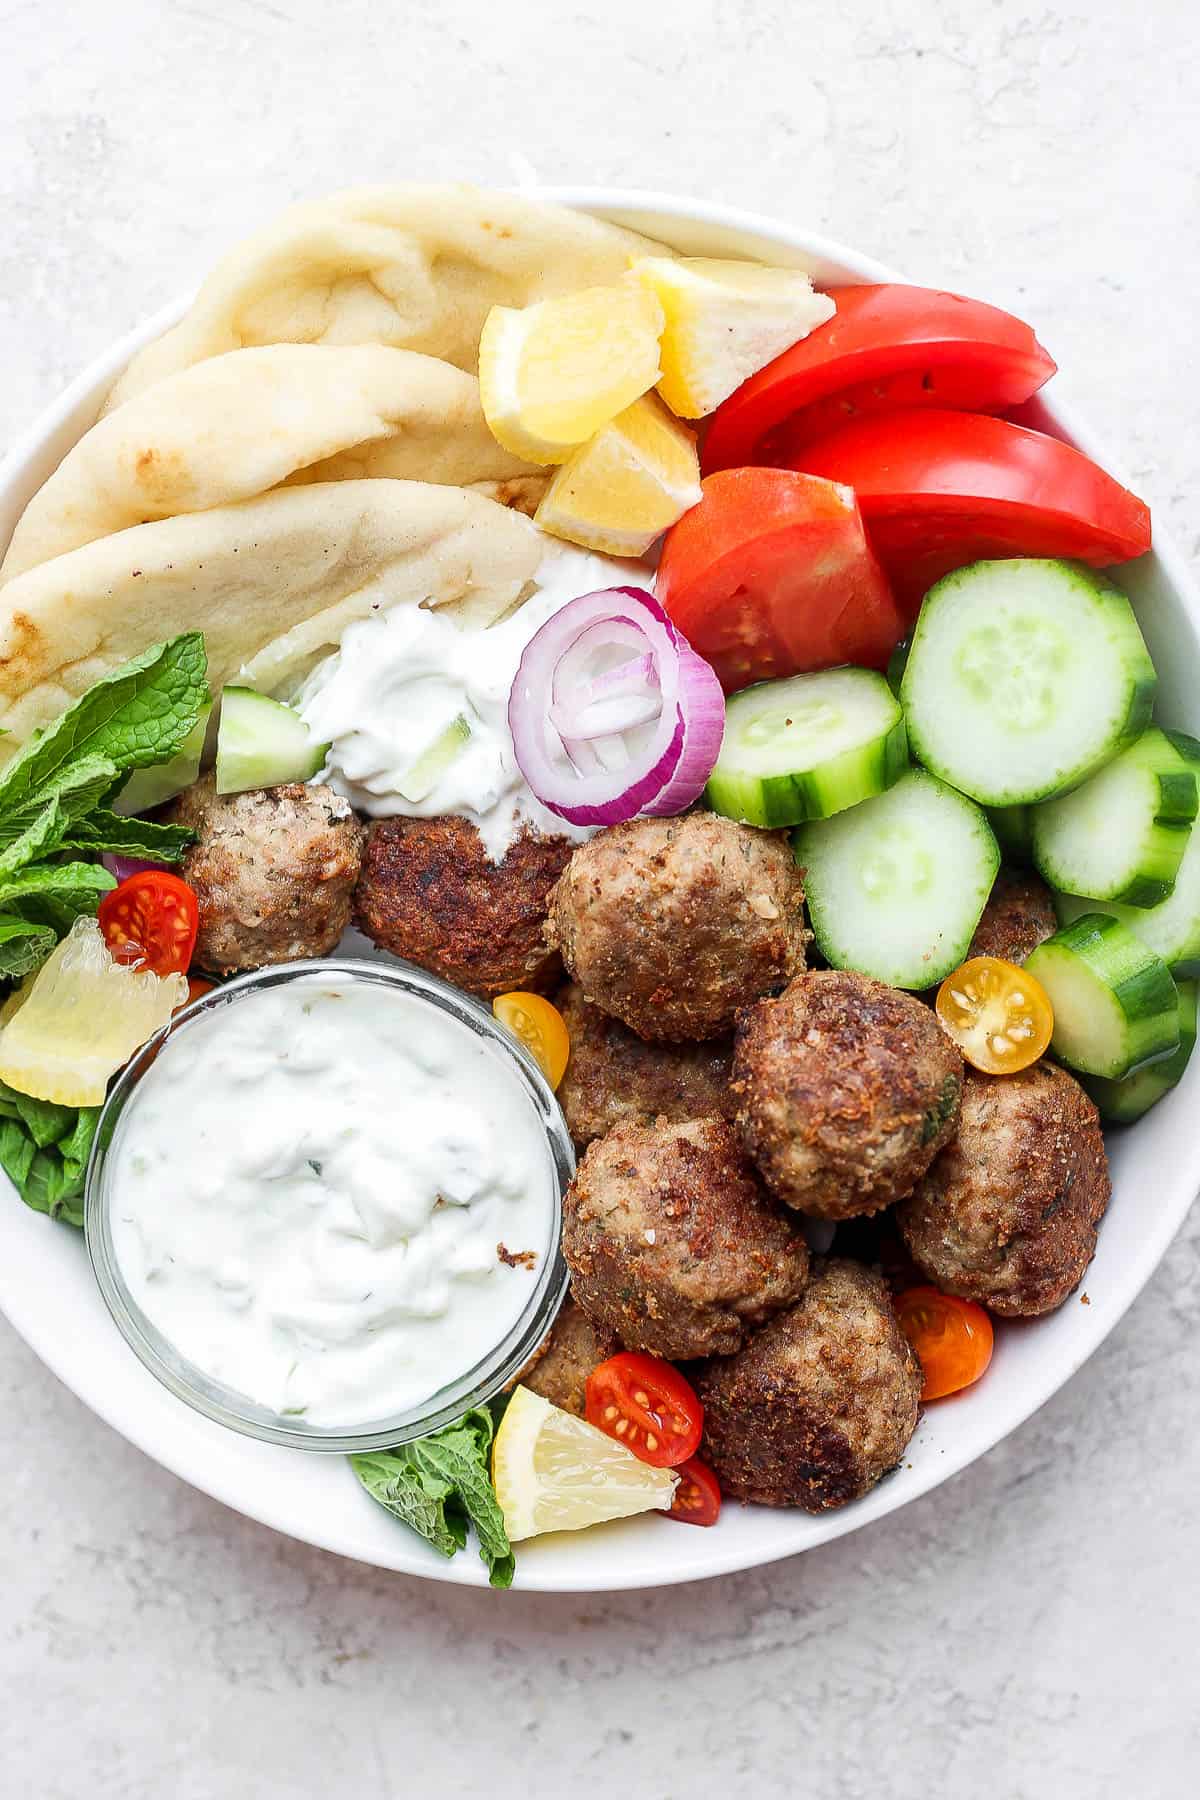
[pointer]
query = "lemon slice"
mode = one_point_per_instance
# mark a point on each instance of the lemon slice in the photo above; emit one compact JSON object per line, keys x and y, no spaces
{"x":80,"y":1018}
{"x":623,"y":487}
{"x":554,"y":1472}
{"x":550,"y":375}
{"x":724,"y":322}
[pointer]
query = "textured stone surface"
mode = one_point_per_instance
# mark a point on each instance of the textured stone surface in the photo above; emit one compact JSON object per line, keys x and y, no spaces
{"x":1027,"y":1631}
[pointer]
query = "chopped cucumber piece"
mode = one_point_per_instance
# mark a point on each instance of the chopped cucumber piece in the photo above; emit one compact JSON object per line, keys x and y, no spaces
{"x":1115,"y":1004}
{"x":424,"y":775}
{"x":147,"y":788}
{"x":1024,"y":678}
{"x":262,"y":743}
{"x":1123,"y":1102}
{"x":896,"y":886}
{"x":807,"y":747}
{"x":1013,"y":826}
{"x":897,"y":663}
{"x":1122,"y":835}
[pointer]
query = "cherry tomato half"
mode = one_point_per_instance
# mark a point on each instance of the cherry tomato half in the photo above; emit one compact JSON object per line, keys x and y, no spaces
{"x":697,"y":1498}
{"x":646,"y":1405}
{"x":998,"y":1015}
{"x":540,"y":1027}
{"x":952,"y":1338}
{"x":151,"y":919}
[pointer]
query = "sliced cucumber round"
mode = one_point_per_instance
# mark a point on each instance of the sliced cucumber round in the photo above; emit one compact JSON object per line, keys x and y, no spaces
{"x":1024,"y":678}
{"x":897,"y":885}
{"x":1115,"y":1004}
{"x":1122,"y":834}
{"x":263,"y":743}
{"x":1124,"y":1102}
{"x":1014,"y":832}
{"x":807,"y":747}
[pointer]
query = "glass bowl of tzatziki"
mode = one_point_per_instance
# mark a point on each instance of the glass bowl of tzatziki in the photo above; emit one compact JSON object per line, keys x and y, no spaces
{"x":324,"y":1208}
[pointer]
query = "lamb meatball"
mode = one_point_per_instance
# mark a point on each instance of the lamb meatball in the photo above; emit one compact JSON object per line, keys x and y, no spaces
{"x":820,"y":1403}
{"x":1018,"y":917}
{"x":613,"y":1075}
{"x":673,"y":1244}
{"x":671,"y":925}
{"x":273,"y":870}
{"x":430,"y":893}
{"x":1008,"y":1215}
{"x":570,"y":1353}
{"x":847,"y":1090}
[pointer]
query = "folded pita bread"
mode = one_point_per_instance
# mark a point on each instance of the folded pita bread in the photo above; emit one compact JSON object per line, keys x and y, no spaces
{"x":271,"y":583}
{"x":413,"y":266}
{"x":236,"y":425}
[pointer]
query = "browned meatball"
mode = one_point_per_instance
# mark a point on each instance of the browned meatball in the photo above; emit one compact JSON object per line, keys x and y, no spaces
{"x":671,"y":925}
{"x":1018,"y":917}
{"x":847,"y":1090}
{"x":613,"y":1075}
{"x":570,"y":1353}
{"x":273,"y":871}
{"x":673,"y":1244}
{"x":820,"y":1403}
{"x":1008,"y":1215}
{"x":430,"y":893}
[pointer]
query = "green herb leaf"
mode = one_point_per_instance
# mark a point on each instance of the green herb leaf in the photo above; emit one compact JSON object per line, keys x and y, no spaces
{"x":437,"y":1483}
{"x":48,"y":1173}
{"x":24,"y":946}
{"x":45,"y":1122}
{"x":104,"y":830}
{"x":43,"y":834}
{"x":75,"y":884}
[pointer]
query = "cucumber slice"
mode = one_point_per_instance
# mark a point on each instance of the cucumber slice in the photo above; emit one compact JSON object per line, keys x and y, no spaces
{"x":1172,"y":929}
{"x":1013,"y":826}
{"x":424,"y":775}
{"x":1122,"y":835}
{"x":262,"y":743}
{"x":1115,"y":1004}
{"x":147,"y":788}
{"x":1024,"y":678}
{"x":1123,"y":1102}
{"x":807,"y":747}
{"x":896,"y":887}
{"x":897,"y":663}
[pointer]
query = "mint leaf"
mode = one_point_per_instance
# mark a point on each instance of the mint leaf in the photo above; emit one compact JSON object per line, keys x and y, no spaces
{"x":43,"y":834}
{"x":48,"y":1173}
{"x":24,"y":945}
{"x":45,"y":1122}
{"x":104,"y":830}
{"x":437,"y":1483}
{"x":74,"y":884}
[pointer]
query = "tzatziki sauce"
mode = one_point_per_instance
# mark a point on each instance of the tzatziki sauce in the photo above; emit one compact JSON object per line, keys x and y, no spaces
{"x":332,"y":1196}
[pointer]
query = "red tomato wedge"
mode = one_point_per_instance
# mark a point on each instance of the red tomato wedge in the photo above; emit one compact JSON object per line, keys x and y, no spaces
{"x":887,"y":346}
{"x":646,"y":1405}
{"x":698,"y":1497}
{"x":771,"y":574}
{"x":939,"y":490}
{"x":151,"y":919}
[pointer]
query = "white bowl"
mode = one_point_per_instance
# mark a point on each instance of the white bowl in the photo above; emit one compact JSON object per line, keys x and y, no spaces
{"x":46,"y":1285}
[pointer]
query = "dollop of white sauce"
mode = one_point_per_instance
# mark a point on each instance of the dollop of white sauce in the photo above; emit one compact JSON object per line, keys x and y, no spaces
{"x":310,"y":1191}
{"x":403,"y":677}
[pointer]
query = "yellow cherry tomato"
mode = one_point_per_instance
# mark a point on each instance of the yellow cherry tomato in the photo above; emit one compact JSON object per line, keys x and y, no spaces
{"x":998,"y":1015}
{"x":540,"y":1028}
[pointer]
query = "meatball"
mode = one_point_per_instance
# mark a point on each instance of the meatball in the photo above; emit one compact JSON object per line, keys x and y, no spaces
{"x":1008,"y":1215}
{"x":429,"y":892}
{"x":273,"y":870}
{"x":613,"y":1075}
{"x":820,"y":1403}
{"x":570,"y":1353}
{"x":671,"y":925}
{"x":847,"y":1090}
{"x":1018,"y":917}
{"x":673,"y":1244}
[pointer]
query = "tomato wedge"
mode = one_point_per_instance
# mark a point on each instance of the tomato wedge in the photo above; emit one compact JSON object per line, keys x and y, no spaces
{"x":540,"y":1027}
{"x":771,"y":574}
{"x":939,"y":490}
{"x":646,"y":1405}
{"x":151,"y":919}
{"x":952,"y":1338}
{"x":698,"y":1497}
{"x":887,"y":346}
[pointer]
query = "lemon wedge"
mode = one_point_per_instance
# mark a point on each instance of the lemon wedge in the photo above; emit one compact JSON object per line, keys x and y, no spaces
{"x":550,"y":375}
{"x":724,"y":322}
{"x":80,"y":1018}
{"x":623,"y":487}
{"x":554,"y":1472}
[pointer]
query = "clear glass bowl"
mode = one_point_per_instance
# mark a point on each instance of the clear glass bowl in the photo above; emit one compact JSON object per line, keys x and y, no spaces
{"x":225,"y":1404}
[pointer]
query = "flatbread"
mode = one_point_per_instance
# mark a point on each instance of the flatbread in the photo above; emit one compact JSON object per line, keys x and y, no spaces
{"x":271,"y":583}
{"x":416,"y":267}
{"x":240,"y":424}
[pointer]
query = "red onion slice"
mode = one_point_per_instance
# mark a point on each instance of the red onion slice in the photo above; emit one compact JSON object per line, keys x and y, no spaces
{"x":122,"y":867}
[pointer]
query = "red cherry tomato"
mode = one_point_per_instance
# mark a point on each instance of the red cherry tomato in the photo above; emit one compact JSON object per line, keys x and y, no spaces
{"x":646,"y":1405}
{"x":151,"y":919}
{"x":939,"y":490}
{"x":887,"y":346}
{"x":772,"y":574}
{"x":697,"y":1498}
{"x":952,"y":1338}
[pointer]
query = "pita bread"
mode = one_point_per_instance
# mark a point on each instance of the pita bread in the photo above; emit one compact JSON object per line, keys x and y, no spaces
{"x":271,"y":583}
{"x":242,"y":423}
{"x":417,"y":267}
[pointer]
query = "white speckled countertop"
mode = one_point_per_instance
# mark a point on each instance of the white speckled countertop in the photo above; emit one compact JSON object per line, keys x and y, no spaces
{"x":1029,"y":1630}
